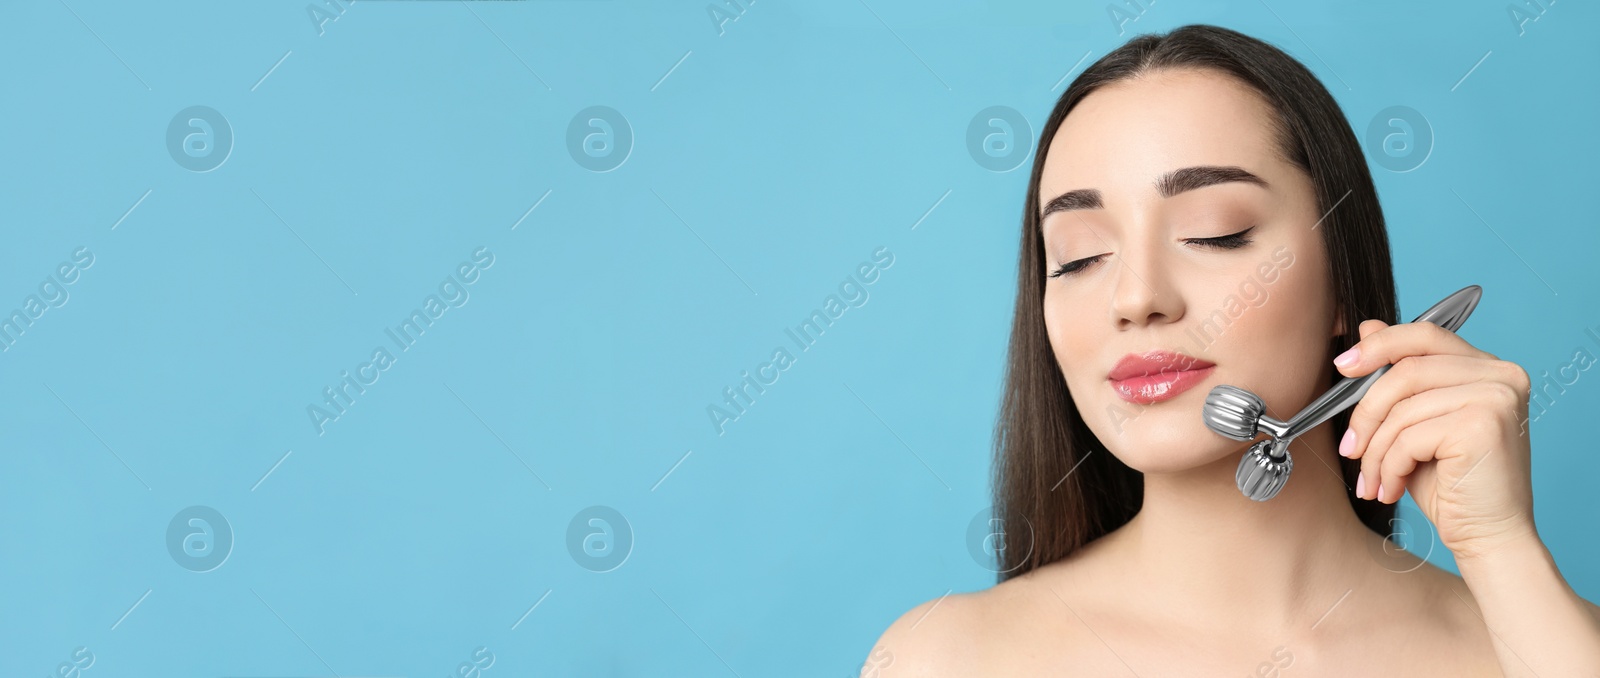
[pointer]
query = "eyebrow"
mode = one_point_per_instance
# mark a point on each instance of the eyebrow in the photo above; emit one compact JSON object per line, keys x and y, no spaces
{"x":1170,"y":184}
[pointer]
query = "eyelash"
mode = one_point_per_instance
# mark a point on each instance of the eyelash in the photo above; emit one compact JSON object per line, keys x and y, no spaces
{"x":1226,"y":242}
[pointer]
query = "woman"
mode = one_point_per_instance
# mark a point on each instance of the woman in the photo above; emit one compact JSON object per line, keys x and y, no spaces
{"x":1200,"y":193}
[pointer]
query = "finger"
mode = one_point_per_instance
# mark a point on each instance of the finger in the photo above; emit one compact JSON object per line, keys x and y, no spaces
{"x":1413,"y":410}
{"x":1421,"y":442}
{"x":1417,"y":444}
{"x":1389,"y":344}
{"x":1410,"y":376}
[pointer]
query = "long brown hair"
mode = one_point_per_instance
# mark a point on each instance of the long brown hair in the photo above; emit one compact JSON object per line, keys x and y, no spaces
{"x":1049,"y":478}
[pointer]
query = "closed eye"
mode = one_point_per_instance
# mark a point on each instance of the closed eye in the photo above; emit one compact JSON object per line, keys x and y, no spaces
{"x":1226,"y":242}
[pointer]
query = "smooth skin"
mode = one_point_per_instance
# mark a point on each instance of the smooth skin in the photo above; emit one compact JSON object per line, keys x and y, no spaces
{"x":1203,"y":581}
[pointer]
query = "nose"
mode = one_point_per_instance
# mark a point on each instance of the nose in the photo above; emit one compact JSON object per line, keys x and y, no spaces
{"x":1143,"y":294}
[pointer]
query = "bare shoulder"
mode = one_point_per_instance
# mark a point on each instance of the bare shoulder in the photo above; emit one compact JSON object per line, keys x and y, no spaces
{"x":923,"y":644}
{"x":978,"y":633}
{"x":1446,"y":605}
{"x":1434,"y":594}
{"x":1588,"y":605}
{"x":1448,"y":584}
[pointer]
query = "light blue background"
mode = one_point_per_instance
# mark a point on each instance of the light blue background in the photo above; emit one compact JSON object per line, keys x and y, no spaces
{"x":773,"y":158}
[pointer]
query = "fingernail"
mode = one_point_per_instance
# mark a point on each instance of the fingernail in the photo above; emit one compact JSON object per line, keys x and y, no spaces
{"x":1347,"y":446}
{"x":1380,"y":492}
{"x":1361,"y":484}
{"x":1348,"y":358}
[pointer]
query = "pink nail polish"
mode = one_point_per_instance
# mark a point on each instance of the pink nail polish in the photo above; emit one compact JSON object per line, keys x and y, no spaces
{"x":1347,"y":446}
{"x":1361,"y":484}
{"x":1348,"y":358}
{"x":1380,"y":492}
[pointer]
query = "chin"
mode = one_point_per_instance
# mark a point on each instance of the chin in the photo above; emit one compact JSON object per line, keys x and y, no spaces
{"x":1162,"y":439}
{"x":1175,"y":459}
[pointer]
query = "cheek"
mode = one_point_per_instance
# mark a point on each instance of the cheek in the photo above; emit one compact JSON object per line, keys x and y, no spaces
{"x":1052,"y":320}
{"x":1073,"y":340}
{"x":1282,"y":344}
{"x":1064,"y":332}
{"x":1297,"y":308}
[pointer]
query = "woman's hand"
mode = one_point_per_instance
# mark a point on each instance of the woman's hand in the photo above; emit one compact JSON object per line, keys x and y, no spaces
{"x":1449,"y":423}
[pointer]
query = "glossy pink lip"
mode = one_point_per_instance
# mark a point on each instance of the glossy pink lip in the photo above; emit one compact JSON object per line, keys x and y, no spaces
{"x":1157,"y":375}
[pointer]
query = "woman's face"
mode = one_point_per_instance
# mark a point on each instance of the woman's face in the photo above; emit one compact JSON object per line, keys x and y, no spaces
{"x":1131,"y":223}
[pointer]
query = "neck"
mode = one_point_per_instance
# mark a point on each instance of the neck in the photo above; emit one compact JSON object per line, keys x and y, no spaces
{"x":1203,"y":546}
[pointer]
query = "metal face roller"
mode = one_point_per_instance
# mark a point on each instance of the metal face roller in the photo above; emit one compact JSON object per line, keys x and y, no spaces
{"x":1238,"y":414}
